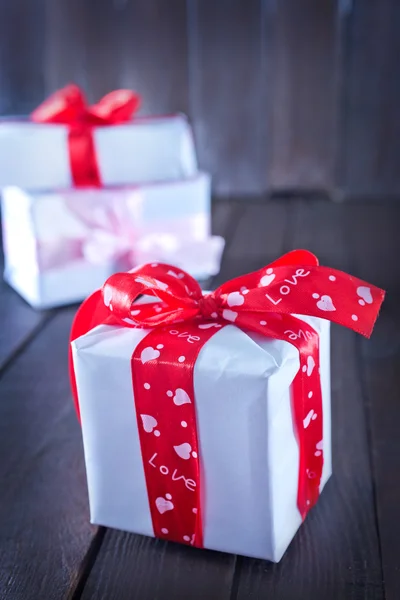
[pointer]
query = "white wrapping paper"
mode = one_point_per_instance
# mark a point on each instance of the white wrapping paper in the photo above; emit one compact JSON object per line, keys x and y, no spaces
{"x":61,"y":246}
{"x":249,"y":454}
{"x":35,"y":156}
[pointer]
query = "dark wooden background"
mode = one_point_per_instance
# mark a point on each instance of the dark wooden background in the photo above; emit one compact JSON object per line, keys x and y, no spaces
{"x":284,"y":95}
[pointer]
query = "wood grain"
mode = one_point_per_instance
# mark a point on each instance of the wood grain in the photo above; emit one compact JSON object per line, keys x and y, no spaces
{"x":65,"y":59}
{"x":44,"y":522}
{"x":18,"y":321}
{"x":260,"y":232}
{"x":135,"y":567}
{"x":228,"y":87}
{"x":141,"y":46}
{"x":370,"y":144}
{"x":380,"y":372}
{"x":22,"y":35}
{"x":336,"y":552}
{"x":303,"y":98}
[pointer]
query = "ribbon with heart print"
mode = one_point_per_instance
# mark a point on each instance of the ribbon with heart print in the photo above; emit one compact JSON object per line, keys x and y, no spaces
{"x":69,"y":107}
{"x":179,"y":326}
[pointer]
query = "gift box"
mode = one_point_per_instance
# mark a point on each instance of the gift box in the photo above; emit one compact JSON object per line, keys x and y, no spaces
{"x":206,"y":417}
{"x":60,"y":246}
{"x":66,"y":143}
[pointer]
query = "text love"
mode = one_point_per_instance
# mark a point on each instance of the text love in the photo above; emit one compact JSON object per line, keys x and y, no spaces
{"x":189,"y":483}
{"x":284,"y":290}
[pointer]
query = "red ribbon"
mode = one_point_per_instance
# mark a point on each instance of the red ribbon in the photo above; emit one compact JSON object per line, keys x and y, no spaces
{"x":69,"y":107}
{"x":184,"y":320}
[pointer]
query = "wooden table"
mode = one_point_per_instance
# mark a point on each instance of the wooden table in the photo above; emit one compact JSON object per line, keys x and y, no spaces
{"x":349,"y":546}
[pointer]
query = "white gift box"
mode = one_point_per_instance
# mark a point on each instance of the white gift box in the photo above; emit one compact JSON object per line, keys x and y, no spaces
{"x":248,"y":450}
{"x":35,"y":156}
{"x":60,"y":246}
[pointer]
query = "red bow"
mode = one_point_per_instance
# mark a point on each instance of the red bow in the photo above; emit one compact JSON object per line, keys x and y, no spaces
{"x":68,"y":106}
{"x":264,"y":302}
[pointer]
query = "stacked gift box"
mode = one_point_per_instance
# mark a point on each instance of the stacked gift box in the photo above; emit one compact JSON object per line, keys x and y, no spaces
{"x":88,"y":191}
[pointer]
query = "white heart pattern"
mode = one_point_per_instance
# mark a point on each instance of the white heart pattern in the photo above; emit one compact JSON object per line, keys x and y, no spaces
{"x":135,"y":312}
{"x":149,"y":353}
{"x":229,"y":315}
{"x":144,"y":282}
{"x":267,"y":279}
{"x":181,"y":397}
{"x":365,"y":293}
{"x":172,"y":273}
{"x":107,"y":295}
{"x":235,"y":299}
{"x":310,"y":365}
{"x":159,"y":284}
{"x":149,"y":423}
{"x":129,"y":321}
{"x":326,"y":304}
{"x":163,"y":505}
{"x":183,"y":450}
{"x":310,"y":417}
{"x":209,"y":325}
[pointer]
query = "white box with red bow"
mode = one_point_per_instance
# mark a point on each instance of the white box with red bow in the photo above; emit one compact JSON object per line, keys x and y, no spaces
{"x":206,"y":416}
{"x":35,"y":156}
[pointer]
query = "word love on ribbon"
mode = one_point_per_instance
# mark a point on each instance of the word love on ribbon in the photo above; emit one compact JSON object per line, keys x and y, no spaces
{"x":68,"y":107}
{"x":179,"y":326}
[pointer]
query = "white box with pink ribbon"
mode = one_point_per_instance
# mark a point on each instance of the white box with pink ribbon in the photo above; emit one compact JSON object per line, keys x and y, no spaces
{"x":60,"y":246}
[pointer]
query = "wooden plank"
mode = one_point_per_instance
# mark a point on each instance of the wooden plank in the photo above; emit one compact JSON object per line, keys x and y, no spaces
{"x":138,"y":45}
{"x":18,"y":321}
{"x":257,"y":236}
{"x":303,"y":99}
{"x":228,"y":84}
{"x":318,"y":226}
{"x":336,"y":552}
{"x":224,"y":217}
{"x":371,"y":97}
{"x":65,"y":55}
{"x":44,"y":518}
{"x":374,"y":244}
{"x":135,"y":567}
{"x":22,"y":34}
{"x":373,"y":237}
{"x":261,"y":231}
{"x":43,"y":511}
